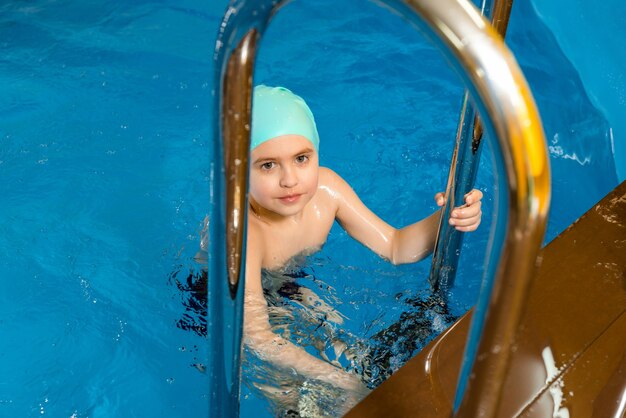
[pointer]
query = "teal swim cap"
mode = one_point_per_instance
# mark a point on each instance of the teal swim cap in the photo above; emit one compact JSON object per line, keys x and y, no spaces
{"x":276,"y":111}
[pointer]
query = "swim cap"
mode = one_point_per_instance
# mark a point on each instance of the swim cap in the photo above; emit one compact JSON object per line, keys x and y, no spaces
{"x":276,"y":111}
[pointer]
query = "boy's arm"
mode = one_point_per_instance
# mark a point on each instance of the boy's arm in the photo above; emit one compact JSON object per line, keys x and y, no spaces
{"x":259,"y":337}
{"x":407,"y":245}
{"x":414,"y":242}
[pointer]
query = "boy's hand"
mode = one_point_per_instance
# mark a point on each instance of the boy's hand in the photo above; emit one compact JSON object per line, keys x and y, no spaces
{"x":464,"y":218}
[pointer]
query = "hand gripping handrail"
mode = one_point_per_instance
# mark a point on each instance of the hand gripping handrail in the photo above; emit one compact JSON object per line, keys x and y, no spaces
{"x":504,"y":101}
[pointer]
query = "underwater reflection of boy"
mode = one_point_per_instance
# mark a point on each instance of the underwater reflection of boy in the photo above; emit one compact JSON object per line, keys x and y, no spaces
{"x":293,"y":205}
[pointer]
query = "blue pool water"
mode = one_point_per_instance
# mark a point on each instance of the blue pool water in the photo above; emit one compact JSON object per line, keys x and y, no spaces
{"x":104,"y":142}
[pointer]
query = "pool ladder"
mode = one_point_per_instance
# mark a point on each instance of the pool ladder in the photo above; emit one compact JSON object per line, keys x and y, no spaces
{"x":511,"y":121}
{"x":463,"y":170}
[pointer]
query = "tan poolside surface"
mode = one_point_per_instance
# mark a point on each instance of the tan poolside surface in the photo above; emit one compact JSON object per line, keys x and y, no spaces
{"x":571,"y":346}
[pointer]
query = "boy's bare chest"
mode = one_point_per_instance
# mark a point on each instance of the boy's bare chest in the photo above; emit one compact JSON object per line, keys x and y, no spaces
{"x":306,"y":235}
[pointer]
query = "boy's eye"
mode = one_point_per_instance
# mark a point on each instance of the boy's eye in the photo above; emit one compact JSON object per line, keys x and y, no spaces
{"x":267,"y":166}
{"x":302,"y":158}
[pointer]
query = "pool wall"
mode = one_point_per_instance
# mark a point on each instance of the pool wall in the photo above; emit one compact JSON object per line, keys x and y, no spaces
{"x":591,"y":34}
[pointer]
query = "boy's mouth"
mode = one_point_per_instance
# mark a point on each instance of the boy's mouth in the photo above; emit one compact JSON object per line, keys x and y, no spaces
{"x":292,"y":198}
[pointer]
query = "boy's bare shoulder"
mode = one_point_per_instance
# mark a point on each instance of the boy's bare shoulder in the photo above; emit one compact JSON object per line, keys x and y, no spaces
{"x":325,"y":172}
{"x":328,"y":177}
{"x":332,"y":181}
{"x":255,"y":231}
{"x":254,"y":241}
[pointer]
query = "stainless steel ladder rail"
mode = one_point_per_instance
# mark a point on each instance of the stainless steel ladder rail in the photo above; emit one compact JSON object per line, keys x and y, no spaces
{"x":463,"y":170}
{"x":507,"y":109}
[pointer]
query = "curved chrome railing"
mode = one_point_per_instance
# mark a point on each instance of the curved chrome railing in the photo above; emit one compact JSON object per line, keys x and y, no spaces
{"x":504,"y":101}
{"x":463,"y":170}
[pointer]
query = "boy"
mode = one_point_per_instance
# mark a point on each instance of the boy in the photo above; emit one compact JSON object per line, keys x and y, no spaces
{"x":293,"y":204}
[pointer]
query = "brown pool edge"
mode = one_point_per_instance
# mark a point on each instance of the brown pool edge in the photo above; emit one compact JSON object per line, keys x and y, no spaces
{"x":570,"y":350}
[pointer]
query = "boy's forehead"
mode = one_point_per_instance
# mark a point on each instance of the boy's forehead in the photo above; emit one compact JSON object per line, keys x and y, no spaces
{"x":285,"y":144}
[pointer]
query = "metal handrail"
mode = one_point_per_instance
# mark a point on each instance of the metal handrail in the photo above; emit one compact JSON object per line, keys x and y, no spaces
{"x":510,"y":116}
{"x":463,"y":171}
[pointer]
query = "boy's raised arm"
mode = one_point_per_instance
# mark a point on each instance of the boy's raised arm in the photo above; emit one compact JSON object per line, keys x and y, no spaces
{"x":409,"y":244}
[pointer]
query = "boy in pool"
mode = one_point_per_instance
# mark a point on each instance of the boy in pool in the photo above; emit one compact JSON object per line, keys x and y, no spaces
{"x":293,"y":205}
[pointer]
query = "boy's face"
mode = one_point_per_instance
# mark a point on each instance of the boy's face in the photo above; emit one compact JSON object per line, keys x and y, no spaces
{"x":283,"y":174}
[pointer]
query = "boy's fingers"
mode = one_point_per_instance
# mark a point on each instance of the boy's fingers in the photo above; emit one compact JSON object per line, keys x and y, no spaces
{"x":471,"y":199}
{"x":440,"y":198}
{"x":466,"y":218}
{"x":470,"y":228}
{"x":473,"y":196}
{"x":466,"y":211}
{"x":466,"y":222}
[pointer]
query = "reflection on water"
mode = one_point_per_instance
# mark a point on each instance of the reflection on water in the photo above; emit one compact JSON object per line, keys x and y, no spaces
{"x":298,"y":313}
{"x":310,"y":320}
{"x":304,"y":310}
{"x":193,"y":287}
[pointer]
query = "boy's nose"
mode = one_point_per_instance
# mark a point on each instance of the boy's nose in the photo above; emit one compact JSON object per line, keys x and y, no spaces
{"x":288,"y":178}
